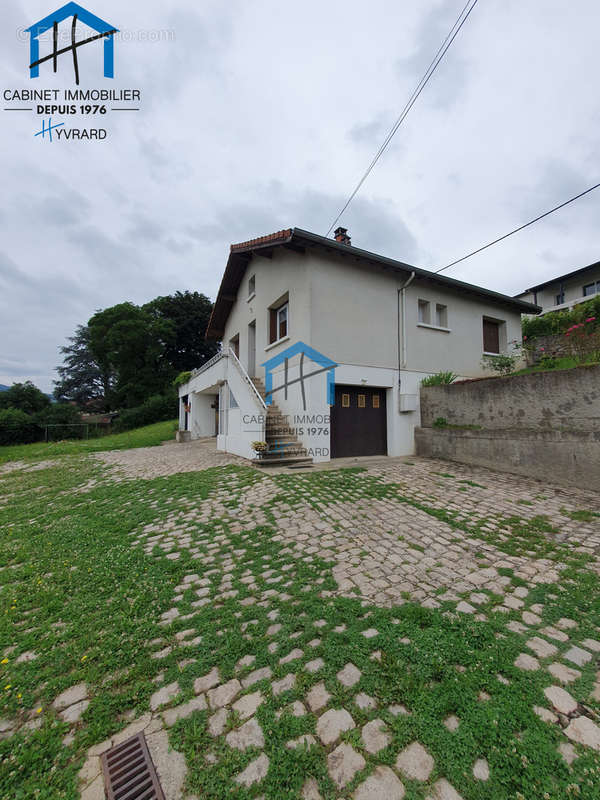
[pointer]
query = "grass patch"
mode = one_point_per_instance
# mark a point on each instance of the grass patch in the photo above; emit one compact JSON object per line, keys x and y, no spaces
{"x":149,"y":436}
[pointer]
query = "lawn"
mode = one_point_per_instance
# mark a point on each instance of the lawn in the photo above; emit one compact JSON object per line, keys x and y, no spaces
{"x":111,"y":582}
{"x":141,"y":437}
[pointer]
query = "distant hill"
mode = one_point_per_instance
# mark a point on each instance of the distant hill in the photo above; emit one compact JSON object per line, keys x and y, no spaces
{"x":4,"y":388}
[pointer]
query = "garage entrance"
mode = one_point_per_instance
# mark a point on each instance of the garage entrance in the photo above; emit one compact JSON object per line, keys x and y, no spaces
{"x":358,"y":422}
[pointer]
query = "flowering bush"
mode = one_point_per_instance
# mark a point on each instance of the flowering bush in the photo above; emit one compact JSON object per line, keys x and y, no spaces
{"x":560,"y":321}
{"x":584,"y":340}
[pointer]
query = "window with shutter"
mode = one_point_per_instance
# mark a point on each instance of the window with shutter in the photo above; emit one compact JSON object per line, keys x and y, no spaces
{"x":491,"y":336}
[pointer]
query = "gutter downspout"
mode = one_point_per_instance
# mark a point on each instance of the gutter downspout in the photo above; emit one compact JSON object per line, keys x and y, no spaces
{"x":402,"y":327}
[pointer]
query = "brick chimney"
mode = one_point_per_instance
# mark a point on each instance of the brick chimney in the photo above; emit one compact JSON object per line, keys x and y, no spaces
{"x":341,"y":236}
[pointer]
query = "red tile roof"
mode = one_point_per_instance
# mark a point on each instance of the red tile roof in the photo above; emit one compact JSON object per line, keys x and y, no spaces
{"x":279,"y":236}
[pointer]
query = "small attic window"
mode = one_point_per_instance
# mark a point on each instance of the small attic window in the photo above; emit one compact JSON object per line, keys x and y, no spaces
{"x":252,"y":286}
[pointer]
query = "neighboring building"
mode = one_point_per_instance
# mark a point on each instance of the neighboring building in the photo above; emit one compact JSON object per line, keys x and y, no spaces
{"x":335,"y":331}
{"x":566,"y":291}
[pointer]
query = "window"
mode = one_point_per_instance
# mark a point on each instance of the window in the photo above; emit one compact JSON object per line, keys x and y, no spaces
{"x":441,"y":315}
{"x":278,"y":323}
{"x":591,"y":288}
{"x":559,"y":299}
{"x":491,"y":336}
{"x":252,"y":286}
{"x":424,"y":315}
{"x":345,"y":401}
{"x":362,"y":401}
{"x":375,"y":401}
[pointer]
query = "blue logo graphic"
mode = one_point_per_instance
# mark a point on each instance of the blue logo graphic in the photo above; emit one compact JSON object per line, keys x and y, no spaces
{"x":51,"y":22}
{"x":326,"y":365}
{"x":48,"y":130}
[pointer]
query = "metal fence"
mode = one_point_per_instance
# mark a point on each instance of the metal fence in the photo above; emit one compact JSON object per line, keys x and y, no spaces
{"x":34,"y":432}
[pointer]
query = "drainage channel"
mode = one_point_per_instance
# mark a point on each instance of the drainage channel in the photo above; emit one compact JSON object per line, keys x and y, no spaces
{"x":129,"y":773}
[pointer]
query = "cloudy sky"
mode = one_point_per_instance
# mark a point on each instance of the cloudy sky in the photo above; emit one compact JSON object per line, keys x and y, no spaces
{"x":263,"y":115}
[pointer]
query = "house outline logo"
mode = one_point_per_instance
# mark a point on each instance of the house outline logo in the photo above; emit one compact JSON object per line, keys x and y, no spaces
{"x":304,"y":351}
{"x":51,"y":22}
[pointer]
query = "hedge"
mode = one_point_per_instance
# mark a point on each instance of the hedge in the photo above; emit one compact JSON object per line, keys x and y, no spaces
{"x":159,"y":408}
{"x":17,"y":427}
{"x":560,"y":321}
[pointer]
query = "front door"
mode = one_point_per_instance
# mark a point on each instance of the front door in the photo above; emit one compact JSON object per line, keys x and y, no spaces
{"x":358,"y":422}
{"x":252,"y":349}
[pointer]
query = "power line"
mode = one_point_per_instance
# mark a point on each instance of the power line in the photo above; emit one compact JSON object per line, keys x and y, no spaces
{"x":444,"y":47}
{"x":522,"y":227}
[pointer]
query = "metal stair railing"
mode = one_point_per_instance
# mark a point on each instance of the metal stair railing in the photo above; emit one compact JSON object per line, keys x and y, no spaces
{"x":247,"y":378}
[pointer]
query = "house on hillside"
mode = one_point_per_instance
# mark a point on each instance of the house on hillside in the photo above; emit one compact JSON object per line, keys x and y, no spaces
{"x":566,"y":291}
{"x":324,"y":347}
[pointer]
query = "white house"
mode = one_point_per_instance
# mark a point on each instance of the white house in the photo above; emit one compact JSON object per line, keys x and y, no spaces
{"x":565,"y":291}
{"x":324,"y":347}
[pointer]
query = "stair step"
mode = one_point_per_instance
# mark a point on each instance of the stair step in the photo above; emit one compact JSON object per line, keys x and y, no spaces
{"x":282,"y":462}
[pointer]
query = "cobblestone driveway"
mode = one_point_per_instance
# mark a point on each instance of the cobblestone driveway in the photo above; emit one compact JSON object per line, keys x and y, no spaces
{"x":476,"y":545}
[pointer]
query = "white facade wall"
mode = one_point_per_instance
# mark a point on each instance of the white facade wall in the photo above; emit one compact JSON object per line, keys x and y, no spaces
{"x":573,"y":291}
{"x":352,"y":314}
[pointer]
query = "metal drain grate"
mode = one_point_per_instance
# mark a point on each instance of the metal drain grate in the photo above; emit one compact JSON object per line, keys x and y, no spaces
{"x":129,"y":773}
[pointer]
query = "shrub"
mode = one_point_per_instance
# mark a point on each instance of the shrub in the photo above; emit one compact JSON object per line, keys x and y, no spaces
{"x":155,"y":409}
{"x":439,"y":379}
{"x":502,"y":364}
{"x":440,"y":422}
{"x":182,"y":378}
{"x":17,"y":427}
{"x":560,"y":321}
{"x":63,"y":421}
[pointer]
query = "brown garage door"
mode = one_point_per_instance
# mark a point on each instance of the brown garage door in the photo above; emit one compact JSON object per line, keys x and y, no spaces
{"x":358,"y":422}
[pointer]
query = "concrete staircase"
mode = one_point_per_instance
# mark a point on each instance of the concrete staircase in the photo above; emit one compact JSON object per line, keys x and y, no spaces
{"x":284,"y":449}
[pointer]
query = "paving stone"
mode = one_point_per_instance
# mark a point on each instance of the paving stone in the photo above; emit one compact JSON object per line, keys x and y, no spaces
{"x":315,"y":665}
{"x":442,"y":790}
{"x":452,"y":722}
{"x":318,"y":697}
{"x":561,"y":700}
{"x":578,"y":656}
{"x":375,"y":736}
{"x":583,"y":731}
{"x":542,"y":648}
{"x":264,"y":673}
{"x":527,"y":662}
{"x":349,"y":675}
{"x":332,"y":724}
{"x":566,"y":624}
{"x":71,"y":696}
{"x":545,"y":714}
{"x":568,"y":752}
{"x":284,"y":685}
{"x":306,"y":740}
{"x":246,"y":706}
{"x":529,"y":618}
{"x":515,"y":626}
{"x":343,"y":764}
{"x":481,"y":770}
{"x":164,"y":695}
{"x":246,"y":661}
{"x":216,"y":724}
{"x":365,"y":702}
{"x":310,"y":790}
{"x":563,"y":674}
{"x":223,"y":695}
{"x":554,"y":633}
{"x":592,"y":644}
{"x":415,"y":762}
{"x":292,"y":656}
{"x":382,"y":784}
{"x":255,"y":772}
{"x":465,"y":608}
{"x":248,"y":735}
{"x":74,"y":713}
{"x":207,"y":682}
{"x":370,"y":633}
{"x":183,"y":711}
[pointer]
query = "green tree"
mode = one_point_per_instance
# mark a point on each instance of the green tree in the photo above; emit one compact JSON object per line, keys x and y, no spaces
{"x":189,"y":312}
{"x":81,"y":378}
{"x":25,"y":397}
{"x":131,"y":342}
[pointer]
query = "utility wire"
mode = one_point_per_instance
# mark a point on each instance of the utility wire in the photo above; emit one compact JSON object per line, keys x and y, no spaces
{"x":444,"y":47}
{"x":516,"y":230}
